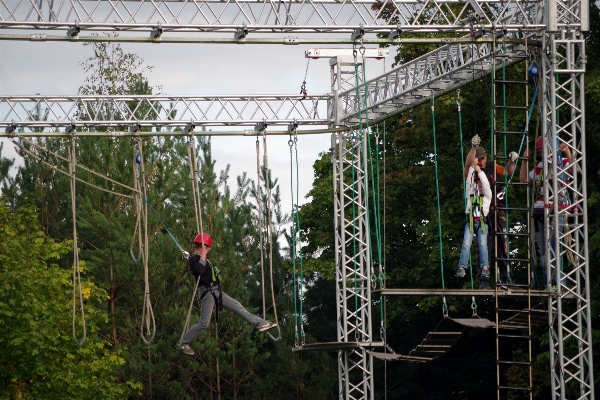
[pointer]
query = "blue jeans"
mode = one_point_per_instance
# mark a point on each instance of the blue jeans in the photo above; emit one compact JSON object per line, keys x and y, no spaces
{"x":552,"y":245}
{"x":481,"y":242}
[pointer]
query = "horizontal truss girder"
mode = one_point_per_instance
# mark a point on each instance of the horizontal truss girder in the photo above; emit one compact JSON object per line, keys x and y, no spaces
{"x":160,"y":111}
{"x":457,"y":64}
{"x":436,"y":73}
{"x":309,"y":16}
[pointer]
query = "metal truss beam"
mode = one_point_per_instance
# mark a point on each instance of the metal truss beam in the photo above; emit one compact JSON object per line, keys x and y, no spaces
{"x":250,"y":16}
{"x":116,"y":112}
{"x":442,"y":70}
{"x":352,"y":242}
{"x":566,"y":255}
{"x":436,"y":73}
{"x":566,"y":226}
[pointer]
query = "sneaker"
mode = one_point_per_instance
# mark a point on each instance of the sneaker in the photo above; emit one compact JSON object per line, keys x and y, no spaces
{"x":484,"y":285}
{"x":485,"y":273}
{"x":460,"y":272}
{"x":266,"y":326}
{"x":186,"y":349}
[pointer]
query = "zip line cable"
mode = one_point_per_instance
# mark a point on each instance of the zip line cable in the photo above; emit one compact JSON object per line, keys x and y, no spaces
{"x":77,"y":291}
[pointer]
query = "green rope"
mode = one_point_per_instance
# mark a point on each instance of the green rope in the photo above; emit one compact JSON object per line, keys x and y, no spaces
{"x":437,"y":188}
{"x":293,"y":255}
{"x":297,"y":213}
{"x":375,"y":193}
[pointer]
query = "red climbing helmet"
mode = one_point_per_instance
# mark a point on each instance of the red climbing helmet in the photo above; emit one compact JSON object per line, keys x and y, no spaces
{"x":203,"y":238}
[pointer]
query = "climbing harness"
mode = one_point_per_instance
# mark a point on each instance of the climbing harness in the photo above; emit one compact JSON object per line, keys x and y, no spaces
{"x":77,"y":291}
{"x":148,"y":323}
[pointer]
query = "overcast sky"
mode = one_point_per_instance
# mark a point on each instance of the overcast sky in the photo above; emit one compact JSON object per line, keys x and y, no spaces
{"x":191,"y":69}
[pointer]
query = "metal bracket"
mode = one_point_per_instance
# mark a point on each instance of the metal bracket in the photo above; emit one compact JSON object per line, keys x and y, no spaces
{"x":190,"y":127}
{"x":358,"y":33}
{"x":135,"y":127}
{"x":156,"y":32}
{"x":11,"y":128}
{"x":37,"y":37}
{"x":291,"y":41}
{"x":395,"y":34}
{"x":70,"y":128}
{"x":293,"y":126}
{"x":241,"y":33}
{"x":74,"y":31}
{"x":260,"y":127}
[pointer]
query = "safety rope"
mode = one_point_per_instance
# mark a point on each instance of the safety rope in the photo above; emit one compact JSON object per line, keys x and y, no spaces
{"x":375,"y":192}
{"x":439,"y":214}
{"x":193,"y":162}
{"x":259,"y":200}
{"x":270,"y":235}
{"x":77,"y":290}
{"x":148,"y":323}
{"x":79,"y":166}
{"x":56,"y":168}
{"x":299,"y":337}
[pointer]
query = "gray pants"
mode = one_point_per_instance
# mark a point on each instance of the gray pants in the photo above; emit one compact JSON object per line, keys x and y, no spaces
{"x":208,"y":302}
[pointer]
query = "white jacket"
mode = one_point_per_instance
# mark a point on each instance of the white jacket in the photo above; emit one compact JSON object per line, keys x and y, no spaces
{"x":471,"y":186}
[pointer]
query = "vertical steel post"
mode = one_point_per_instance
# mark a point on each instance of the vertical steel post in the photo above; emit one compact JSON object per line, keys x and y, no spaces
{"x":353,"y":269}
{"x":566,"y":229}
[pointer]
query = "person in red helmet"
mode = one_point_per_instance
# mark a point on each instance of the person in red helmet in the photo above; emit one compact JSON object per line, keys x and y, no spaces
{"x":210,"y":294}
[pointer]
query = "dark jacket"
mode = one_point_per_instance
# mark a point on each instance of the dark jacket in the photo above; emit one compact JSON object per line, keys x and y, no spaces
{"x":202,"y":270}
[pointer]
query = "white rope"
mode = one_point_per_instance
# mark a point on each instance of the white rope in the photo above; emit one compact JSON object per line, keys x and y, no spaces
{"x":270,"y":235}
{"x":76,"y":265}
{"x":103,"y":176}
{"x":66,"y":173}
{"x":193,"y":160}
{"x":260,"y":226}
{"x":148,"y":323}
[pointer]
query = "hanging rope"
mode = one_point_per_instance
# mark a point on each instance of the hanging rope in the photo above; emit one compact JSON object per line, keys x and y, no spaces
{"x":148,"y":323}
{"x":193,"y":162}
{"x":260,"y":224}
{"x":56,"y":168}
{"x":270,"y":236}
{"x":299,"y":337}
{"x":77,"y":291}
{"x":439,"y":214}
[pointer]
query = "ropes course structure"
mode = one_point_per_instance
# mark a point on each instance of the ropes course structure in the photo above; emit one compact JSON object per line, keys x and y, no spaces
{"x":498,"y":34}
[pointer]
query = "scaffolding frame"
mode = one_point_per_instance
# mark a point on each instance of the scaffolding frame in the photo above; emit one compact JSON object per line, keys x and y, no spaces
{"x":559,"y":25}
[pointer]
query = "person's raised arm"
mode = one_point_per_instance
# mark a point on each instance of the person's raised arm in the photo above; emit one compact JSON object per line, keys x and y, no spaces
{"x":471,"y":155}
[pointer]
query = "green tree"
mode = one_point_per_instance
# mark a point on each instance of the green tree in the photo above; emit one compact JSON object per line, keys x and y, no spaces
{"x":40,"y":357}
